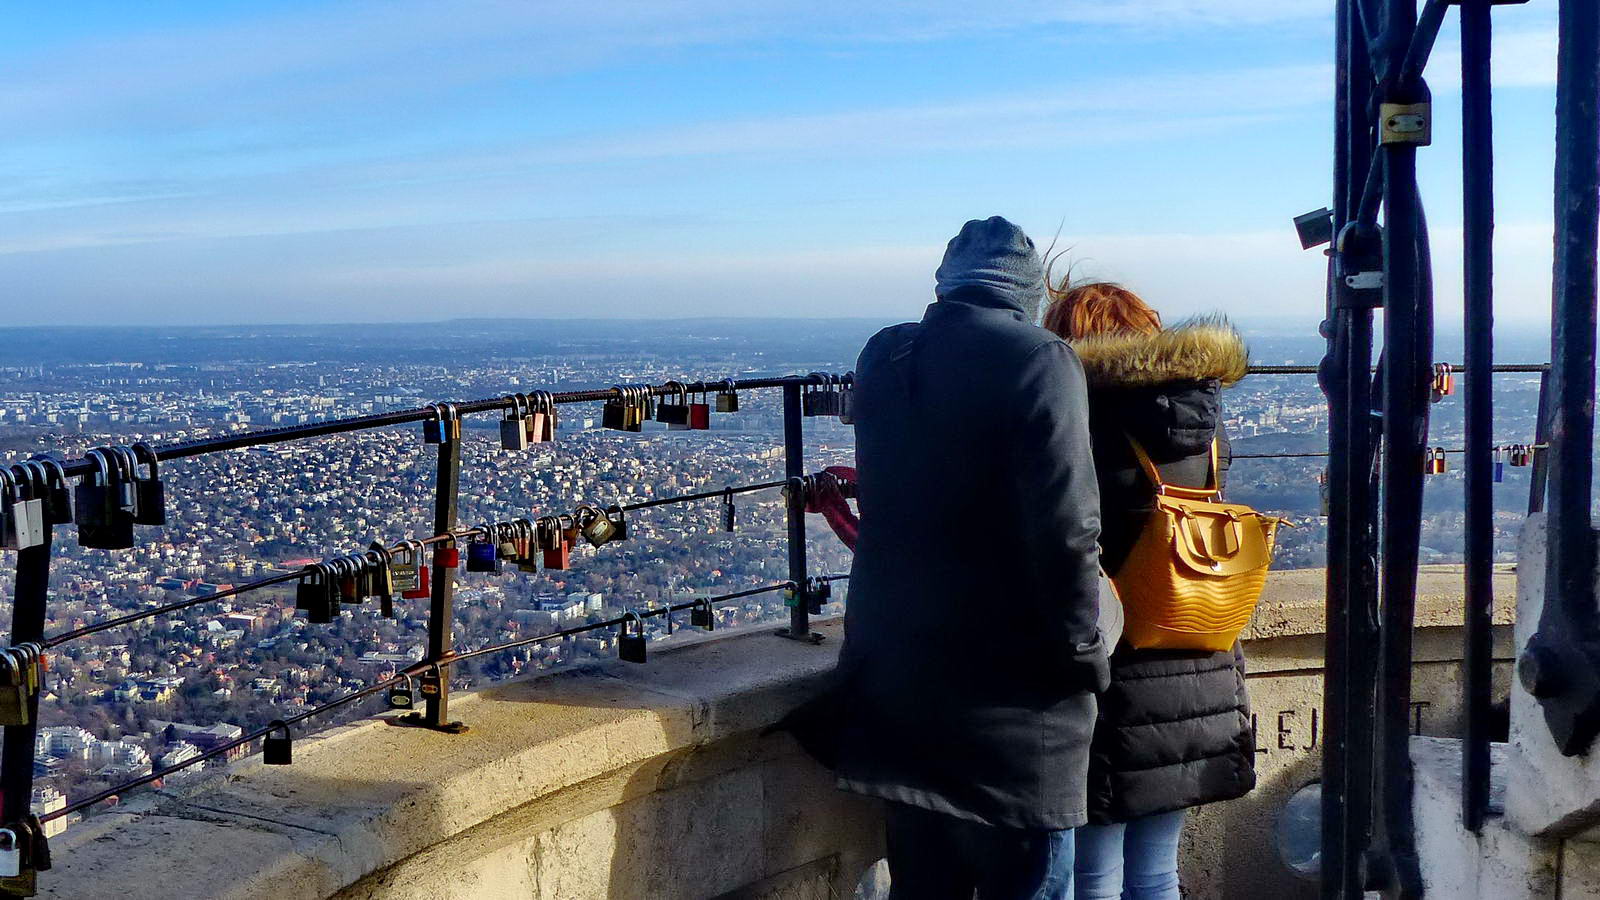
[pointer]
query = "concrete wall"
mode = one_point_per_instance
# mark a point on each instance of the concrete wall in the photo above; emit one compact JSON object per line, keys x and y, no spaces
{"x":634,"y":781}
{"x":1228,"y":849}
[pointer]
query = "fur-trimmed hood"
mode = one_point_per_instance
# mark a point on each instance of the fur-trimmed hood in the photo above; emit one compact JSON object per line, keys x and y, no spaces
{"x":1200,"y":349}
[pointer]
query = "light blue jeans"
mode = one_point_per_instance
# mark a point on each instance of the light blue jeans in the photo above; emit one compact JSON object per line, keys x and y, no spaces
{"x":1135,"y":860}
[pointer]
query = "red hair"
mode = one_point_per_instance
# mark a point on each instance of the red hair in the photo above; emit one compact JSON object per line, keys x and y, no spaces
{"x":1096,"y":308}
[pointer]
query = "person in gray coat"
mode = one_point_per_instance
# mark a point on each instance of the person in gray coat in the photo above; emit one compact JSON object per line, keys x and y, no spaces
{"x":965,"y":692}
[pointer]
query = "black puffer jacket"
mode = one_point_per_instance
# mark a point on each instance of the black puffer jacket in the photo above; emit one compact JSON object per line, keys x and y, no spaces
{"x":1174,"y":728}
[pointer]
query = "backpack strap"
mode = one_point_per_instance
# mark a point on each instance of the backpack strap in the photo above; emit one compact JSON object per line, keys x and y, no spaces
{"x":1152,"y":473}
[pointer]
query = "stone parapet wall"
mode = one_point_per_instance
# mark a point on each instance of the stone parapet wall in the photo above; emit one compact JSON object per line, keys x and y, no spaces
{"x":621,"y":780}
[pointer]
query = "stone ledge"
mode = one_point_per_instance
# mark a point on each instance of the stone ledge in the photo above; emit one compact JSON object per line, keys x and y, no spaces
{"x":1294,"y":603}
{"x":367,"y":796}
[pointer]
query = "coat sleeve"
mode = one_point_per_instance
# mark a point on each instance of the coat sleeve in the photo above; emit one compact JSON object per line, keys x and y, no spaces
{"x":1060,"y":499}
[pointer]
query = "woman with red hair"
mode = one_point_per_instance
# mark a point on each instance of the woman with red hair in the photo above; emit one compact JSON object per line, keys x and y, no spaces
{"x":1174,"y":728}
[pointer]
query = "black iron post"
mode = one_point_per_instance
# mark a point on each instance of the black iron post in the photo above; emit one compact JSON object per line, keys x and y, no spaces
{"x":27,"y":625}
{"x":447,"y":481}
{"x":1561,"y":664}
{"x":794,"y":468}
{"x":1477,"y":164}
{"x":1346,"y":379}
{"x":1407,"y":364}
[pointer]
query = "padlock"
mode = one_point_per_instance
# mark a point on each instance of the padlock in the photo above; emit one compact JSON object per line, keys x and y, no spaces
{"x":403,"y":572}
{"x":58,"y":502}
{"x":596,"y":526}
{"x":1440,"y":462}
{"x":614,"y":414}
{"x":10,"y":854}
{"x":13,"y":689}
{"x":619,"y":522}
{"x":447,"y":557}
{"x":150,"y":495}
{"x":673,"y":410}
{"x":631,"y":647}
{"x":818,"y":592}
{"x":701,"y":615}
{"x":700,"y":414}
{"x":21,"y":516}
{"x":275,"y":750}
{"x":1499,"y":465}
{"x":514,"y":427}
{"x":547,"y":407}
{"x":311,"y":594}
{"x":382,"y":577}
{"x":727,"y":400}
{"x":1444,"y":381}
{"x":434,"y":429}
{"x":348,"y":578}
{"x":430,"y":682}
{"x":423,"y":588}
{"x":553,"y":541}
{"x":1524,"y":454}
{"x":505,"y":545}
{"x":827,"y":403}
{"x":100,"y":525}
{"x":1324,"y":494}
{"x":808,"y":400}
{"x":481,"y":556}
{"x":127,"y":494}
{"x":729,"y":514}
{"x":42,"y":481}
{"x":400,"y":694}
{"x":29,"y":515}
{"x":847,"y":399}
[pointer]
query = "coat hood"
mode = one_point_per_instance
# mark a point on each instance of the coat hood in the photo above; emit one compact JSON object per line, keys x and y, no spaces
{"x":1201,"y":349}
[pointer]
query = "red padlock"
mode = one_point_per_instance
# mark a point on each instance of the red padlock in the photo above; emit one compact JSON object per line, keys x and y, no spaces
{"x":446,"y":557}
{"x":700,"y":415}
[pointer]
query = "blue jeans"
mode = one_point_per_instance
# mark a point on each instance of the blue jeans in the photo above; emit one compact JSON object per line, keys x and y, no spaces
{"x":933,"y":856}
{"x":1135,"y":860}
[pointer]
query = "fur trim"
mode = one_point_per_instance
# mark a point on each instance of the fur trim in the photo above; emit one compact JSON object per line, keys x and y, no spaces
{"x":1198,"y":349}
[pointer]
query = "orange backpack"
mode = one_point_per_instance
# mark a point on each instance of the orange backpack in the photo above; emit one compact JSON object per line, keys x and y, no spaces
{"x":1194,"y":576}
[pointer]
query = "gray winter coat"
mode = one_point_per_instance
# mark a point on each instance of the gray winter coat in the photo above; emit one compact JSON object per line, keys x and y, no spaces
{"x":967,"y":676}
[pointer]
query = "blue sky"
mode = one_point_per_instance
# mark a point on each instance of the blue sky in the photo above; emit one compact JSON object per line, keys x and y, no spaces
{"x":234,"y":161}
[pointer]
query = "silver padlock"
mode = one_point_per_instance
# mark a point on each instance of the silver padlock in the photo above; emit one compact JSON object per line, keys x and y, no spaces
{"x":10,"y":854}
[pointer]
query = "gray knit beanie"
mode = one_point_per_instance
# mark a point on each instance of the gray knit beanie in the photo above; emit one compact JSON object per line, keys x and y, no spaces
{"x":997,"y":255}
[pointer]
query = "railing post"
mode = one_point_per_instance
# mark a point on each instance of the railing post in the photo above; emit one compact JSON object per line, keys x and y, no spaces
{"x":1477,"y":171}
{"x":794,"y":467}
{"x":27,"y":624}
{"x":1561,"y":664}
{"x":447,"y":482}
{"x":1539,"y":475}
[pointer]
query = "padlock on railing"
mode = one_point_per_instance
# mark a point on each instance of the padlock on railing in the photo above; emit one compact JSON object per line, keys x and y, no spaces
{"x":543,"y":422}
{"x":275,"y":750}
{"x":21,"y":515}
{"x":150,"y":495}
{"x":1499,"y":464}
{"x":382,"y":583}
{"x":14,"y":692}
{"x":58,"y":500}
{"x":729,"y":513}
{"x":673,"y":410}
{"x":701,"y":615}
{"x":401,"y":695}
{"x":552,"y":541}
{"x":700,"y":413}
{"x":847,"y":399}
{"x":1443,"y":382}
{"x":446,"y":557}
{"x":514,"y":427}
{"x":410,"y":574}
{"x":431,"y":683}
{"x":727,"y":398}
{"x":482,"y":556}
{"x":596,"y":526}
{"x":10,"y":853}
{"x":631,"y":646}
